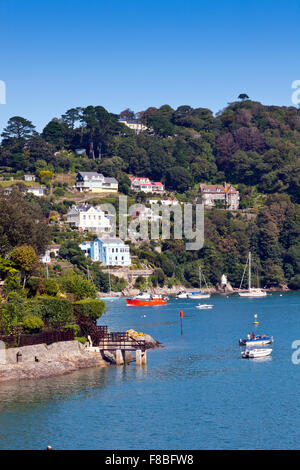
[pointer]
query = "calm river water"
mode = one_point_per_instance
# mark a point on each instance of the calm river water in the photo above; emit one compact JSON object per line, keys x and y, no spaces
{"x":195,"y":393}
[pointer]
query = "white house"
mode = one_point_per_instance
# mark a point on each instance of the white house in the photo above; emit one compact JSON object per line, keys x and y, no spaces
{"x":50,"y":249}
{"x":37,"y":190}
{"x":110,"y":251}
{"x":29,"y":177}
{"x":146,"y":213}
{"x":95,"y":182}
{"x":164,"y":202}
{"x":136,"y":126}
{"x":88,"y":217}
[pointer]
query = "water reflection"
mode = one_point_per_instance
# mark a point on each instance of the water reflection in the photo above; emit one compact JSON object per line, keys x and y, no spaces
{"x":32,"y":392}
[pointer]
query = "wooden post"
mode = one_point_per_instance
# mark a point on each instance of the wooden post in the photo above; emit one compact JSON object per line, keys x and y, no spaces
{"x":119,"y":357}
{"x":140,"y":357}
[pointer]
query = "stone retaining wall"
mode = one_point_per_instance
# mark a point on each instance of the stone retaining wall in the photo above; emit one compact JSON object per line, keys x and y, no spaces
{"x":43,"y":360}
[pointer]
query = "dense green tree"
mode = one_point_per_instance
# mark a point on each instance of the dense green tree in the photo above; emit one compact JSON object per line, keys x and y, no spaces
{"x":18,"y":128}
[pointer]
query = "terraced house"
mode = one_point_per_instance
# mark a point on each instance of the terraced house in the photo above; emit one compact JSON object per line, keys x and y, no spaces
{"x":218,"y":195}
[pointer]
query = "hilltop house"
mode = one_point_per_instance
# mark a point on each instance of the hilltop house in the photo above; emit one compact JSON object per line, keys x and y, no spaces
{"x":136,"y":126}
{"x":95,"y":182}
{"x":145,"y":185}
{"x":110,"y":251}
{"x":88,"y":217}
{"x":220,"y":195}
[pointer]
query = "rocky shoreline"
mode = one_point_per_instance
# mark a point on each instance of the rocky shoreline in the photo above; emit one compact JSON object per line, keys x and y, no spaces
{"x":42,"y":361}
{"x":175,"y":289}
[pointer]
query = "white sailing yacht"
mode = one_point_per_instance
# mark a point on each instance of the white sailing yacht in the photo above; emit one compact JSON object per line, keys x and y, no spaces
{"x":110,"y":296}
{"x":254,"y":292}
{"x":200,"y":295}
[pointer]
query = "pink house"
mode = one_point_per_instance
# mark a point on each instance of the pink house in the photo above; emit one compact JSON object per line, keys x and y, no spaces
{"x":145,"y":185}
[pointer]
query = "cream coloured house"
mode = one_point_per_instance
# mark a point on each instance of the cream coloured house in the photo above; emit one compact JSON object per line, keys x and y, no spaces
{"x":95,"y":182}
{"x":136,"y":126}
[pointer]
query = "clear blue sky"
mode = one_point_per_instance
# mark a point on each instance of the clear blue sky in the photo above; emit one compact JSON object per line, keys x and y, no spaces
{"x":56,"y":55}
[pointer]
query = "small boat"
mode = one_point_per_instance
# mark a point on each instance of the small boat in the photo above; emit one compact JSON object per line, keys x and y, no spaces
{"x":146,"y":299}
{"x":204,"y":306}
{"x":182,"y":295}
{"x":198,"y":295}
{"x":252,"y":353}
{"x":110,"y":298}
{"x":258,"y":340}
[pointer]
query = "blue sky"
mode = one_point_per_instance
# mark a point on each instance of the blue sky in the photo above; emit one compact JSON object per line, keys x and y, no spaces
{"x":56,"y":55}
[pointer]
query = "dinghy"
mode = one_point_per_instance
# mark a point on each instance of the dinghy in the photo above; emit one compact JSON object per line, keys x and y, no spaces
{"x":204,"y":306}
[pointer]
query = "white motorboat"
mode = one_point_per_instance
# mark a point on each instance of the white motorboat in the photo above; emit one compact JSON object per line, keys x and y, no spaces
{"x":204,"y":306}
{"x":251,"y":292}
{"x":253,"y":353}
{"x":143,"y":295}
{"x":182,"y":295}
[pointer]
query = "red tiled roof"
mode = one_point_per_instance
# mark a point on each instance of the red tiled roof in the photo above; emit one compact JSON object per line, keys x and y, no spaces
{"x":217,"y":188}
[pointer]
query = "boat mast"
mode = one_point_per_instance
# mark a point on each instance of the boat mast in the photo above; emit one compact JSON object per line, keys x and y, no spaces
{"x":200,"y":277}
{"x":109,"y":281}
{"x":249,"y":274}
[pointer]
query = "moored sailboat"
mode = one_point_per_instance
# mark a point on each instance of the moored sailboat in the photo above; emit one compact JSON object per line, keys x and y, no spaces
{"x":200,"y":294}
{"x":254,"y":292}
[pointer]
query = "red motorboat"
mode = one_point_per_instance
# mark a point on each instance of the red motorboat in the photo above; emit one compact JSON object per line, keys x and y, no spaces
{"x":145,"y":299}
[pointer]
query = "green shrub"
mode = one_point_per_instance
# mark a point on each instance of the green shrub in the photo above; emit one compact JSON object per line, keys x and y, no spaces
{"x":33,"y":285}
{"x":51,"y":287}
{"x":72,"y":327}
{"x":294,"y":283}
{"x":78,"y":286}
{"x":32,"y":324}
{"x":92,"y":308}
{"x":81,"y":339}
{"x":56,"y":310}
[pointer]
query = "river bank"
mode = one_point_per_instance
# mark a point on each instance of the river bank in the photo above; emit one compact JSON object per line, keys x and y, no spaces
{"x":172,"y":291}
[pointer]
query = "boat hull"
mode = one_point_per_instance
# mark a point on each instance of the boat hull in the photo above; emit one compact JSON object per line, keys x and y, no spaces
{"x":145,"y":303}
{"x":253,"y":294}
{"x":252,"y":353}
{"x":262,"y":341}
{"x":199,"y":296}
